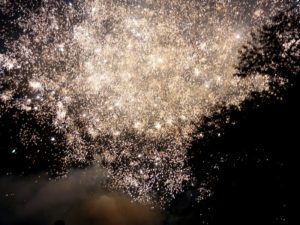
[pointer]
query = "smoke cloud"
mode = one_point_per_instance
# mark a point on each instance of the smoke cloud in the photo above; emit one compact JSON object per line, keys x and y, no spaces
{"x":77,"y":199}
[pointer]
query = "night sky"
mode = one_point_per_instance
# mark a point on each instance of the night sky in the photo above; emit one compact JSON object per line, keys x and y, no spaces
{"x":148,"y":112}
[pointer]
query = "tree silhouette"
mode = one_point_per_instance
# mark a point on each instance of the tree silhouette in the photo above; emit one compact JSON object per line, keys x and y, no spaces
{"x":255,"y":148}
{"x":274,"y":50}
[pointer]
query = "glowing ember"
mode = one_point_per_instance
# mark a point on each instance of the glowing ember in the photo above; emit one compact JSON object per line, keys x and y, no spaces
{"x":125,"y":82}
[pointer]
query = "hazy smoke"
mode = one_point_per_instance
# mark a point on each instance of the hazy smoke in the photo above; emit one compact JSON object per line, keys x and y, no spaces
{"x":77,"y":199}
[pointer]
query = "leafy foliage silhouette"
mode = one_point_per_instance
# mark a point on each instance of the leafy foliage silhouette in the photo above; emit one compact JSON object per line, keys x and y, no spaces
{"x":274,"y":50}
{"x":246,"y":153}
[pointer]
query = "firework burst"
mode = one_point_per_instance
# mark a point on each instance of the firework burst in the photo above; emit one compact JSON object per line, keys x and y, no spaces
{"x":125,"y":82}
